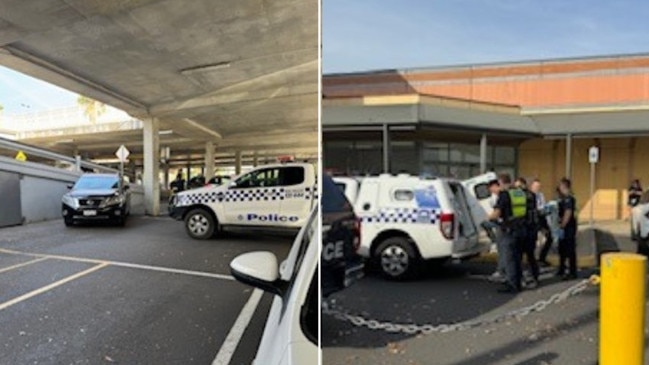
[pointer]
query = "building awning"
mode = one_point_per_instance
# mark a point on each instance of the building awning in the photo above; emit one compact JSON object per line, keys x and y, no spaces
{"x":593,"y":123}
{"x":424,"y":109}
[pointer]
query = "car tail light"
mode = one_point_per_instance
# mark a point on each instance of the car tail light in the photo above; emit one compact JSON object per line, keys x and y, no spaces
{"x":357,"y":234}
{"x":447,"y":225}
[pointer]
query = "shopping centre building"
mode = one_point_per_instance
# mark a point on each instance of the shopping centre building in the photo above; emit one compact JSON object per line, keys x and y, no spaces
{"x":534,"y":119}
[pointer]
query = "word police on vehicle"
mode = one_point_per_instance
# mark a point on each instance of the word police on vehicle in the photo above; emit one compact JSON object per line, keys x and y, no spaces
{"x":273,"y":196}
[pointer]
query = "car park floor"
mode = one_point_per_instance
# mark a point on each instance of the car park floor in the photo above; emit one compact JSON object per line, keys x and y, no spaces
{"x":564,"y":333}
{"x":142,"y":294}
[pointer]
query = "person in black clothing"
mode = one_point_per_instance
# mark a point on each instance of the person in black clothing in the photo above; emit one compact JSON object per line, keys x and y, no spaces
{"x":510,"y":211}
{"x":178,"y":184}
{"x":531,"y":233}
{"x":568,"y":233}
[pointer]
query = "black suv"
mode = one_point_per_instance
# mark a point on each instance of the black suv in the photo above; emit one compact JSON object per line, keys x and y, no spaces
{"x":97,"y":197}
{"x":341,"y":264}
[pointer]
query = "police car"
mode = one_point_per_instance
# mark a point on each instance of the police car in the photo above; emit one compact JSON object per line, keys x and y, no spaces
{"x":406,"y":219}
{"x":271,"y":196}
{"x":640,"y":222}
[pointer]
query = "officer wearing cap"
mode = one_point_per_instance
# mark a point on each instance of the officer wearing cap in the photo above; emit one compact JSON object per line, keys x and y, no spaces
{"x":510,"y":211}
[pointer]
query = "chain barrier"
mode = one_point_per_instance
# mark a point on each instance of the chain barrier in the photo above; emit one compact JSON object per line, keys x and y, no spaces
{"x":329,"y":308}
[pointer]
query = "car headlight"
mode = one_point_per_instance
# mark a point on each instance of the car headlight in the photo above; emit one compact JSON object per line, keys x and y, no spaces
{"x":113,"y":200}
{"x":71,"y":202}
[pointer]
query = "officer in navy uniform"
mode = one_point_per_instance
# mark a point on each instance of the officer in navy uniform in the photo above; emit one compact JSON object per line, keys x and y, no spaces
{"x":510,"y":211}
{"x":568,"y":233}
{"x":531,"y":233}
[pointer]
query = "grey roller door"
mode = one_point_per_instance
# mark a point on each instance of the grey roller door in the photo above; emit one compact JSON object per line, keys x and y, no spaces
{"x":10,"y":210}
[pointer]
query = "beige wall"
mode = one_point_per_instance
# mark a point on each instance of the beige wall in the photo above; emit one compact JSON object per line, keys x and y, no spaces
{"x":621,"y":159}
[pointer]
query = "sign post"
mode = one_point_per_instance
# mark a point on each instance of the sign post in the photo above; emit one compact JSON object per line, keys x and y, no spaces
{"x":122,"y":154}
{"x":593,"y":158}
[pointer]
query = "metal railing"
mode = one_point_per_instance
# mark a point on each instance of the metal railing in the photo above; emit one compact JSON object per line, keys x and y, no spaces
{"x":39,"y":152}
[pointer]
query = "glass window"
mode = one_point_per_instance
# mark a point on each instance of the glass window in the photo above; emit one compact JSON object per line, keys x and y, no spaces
{"x":333,"y":199}
{"x":260,"y":178}
{"x":482,"y":191}
{"x":292,"y":175}
{"x":504,"y":155}
{"x":97,"y":182}
{"x":435,"y":152}
{"x":404,"y":157}
{"x":403,"y":195}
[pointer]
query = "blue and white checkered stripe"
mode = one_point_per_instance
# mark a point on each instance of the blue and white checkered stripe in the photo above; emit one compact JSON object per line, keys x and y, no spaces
{"x":242,"y":195}
{"x":404,"y":215}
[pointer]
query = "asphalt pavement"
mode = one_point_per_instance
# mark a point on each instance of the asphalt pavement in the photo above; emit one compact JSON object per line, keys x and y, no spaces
{"x":141,"y":294}
{"x":563,"y":333}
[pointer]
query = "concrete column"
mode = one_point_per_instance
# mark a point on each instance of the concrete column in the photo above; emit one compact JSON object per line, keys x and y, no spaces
{"x":209,"y":160}
{"x":483,"y":153}
{"x":386,"y":149}
{"x":151,"y":166}
{"x":237,"y":166}
{"x":568,"y":155}
{"x":255,"y":159}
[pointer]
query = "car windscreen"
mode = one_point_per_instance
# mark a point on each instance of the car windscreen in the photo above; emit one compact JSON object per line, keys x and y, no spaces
{"x":333,"y":200}
{"x":97,"y":183}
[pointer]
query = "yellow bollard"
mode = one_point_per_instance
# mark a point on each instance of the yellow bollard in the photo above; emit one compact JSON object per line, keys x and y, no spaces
{"x":622,"y":309}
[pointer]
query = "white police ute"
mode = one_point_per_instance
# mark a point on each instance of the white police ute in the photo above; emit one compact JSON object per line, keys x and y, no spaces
{"x":271,"y":196}
{"x":406,"y":220}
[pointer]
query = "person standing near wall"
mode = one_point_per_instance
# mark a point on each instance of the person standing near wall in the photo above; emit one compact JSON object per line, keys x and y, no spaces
{"x":510,"y":211}
{"x":568,"y":232}
{"x":635,"y":193}
{"x":531,"y":233}
{"x":544,"y":227}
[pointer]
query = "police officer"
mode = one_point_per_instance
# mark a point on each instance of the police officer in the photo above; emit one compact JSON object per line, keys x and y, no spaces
{"x":178,"y":184}
{"x":510,"y":211}
{"x":531,"y":232}
{"x":568,"y":232}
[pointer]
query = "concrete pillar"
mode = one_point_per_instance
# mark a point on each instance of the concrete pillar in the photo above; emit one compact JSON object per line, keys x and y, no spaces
{"x":483,"y":153}
{"x":209,"y":160}
{"x":151,"y":171}
{"x":237,"y":163}
{"x":568,"y":155}
{"x":255,"y":159}
{"x":166,"y":175}
{"x":386,"y":149}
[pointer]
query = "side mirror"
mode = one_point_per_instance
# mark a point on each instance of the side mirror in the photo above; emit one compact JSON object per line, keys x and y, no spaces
{"x":260,"y":270}
{"x":232,"y":184}
{"x":69,"y":186}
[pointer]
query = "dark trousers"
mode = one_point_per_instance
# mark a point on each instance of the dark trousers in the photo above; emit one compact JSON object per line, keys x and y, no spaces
{"x":511,"y":242}
{"x":529,"y":250}
{"x":568,"y":252}
{"x":547,"y":245}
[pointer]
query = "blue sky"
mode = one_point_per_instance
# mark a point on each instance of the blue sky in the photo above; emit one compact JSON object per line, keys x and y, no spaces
{"x":361,"y":35}
{"x":20,"y":93}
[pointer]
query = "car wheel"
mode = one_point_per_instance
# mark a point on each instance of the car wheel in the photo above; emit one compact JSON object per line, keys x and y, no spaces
{"x":200,"y":224}
{"x":396,"y":258}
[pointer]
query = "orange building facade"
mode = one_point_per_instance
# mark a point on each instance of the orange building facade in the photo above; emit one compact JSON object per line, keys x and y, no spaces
{"x":549,"y":112}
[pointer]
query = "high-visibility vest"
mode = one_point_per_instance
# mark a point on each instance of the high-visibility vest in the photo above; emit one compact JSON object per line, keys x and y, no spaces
{"x":518,"y":200}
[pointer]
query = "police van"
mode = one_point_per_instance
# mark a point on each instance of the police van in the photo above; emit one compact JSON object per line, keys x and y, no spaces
{"x":407,"y":219}
{"x":270,"y":196}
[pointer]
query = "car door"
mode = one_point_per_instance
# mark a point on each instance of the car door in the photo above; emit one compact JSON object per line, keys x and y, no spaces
{"x":254,"y":198}
{"x":478,"y":196}
{"x":297,"y":200}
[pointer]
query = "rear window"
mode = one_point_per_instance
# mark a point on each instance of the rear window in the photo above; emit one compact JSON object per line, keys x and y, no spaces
{"x":482,"y":191}
{"x":292,"y":176}
{"x":403,"y":195}
{"x":333,"y":200}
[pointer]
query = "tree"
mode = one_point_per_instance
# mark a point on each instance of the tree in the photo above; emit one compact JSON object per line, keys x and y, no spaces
{"x":91,"y":108}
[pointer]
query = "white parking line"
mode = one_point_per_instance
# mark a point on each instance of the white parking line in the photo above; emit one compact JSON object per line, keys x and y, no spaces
{"x":38,"y":291}
{"x":123,"y":264}
{"x":236,"y":332}
{"x":8,"y":268}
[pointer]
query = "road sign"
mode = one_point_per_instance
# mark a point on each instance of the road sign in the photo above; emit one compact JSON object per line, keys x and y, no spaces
{"x":122,"y":153}
{"x":21,"y":156}
{"x":593,"y":154}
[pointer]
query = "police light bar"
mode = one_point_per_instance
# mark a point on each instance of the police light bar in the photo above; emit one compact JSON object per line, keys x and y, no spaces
{"x":286,"y":158}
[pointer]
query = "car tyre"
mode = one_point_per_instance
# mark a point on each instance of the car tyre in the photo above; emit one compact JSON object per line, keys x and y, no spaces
{"x":397,"y":258}
{"x":200,"y":224}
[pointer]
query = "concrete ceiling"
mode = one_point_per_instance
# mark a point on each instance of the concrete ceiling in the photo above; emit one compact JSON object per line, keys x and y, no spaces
{"x":243,"y":70}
